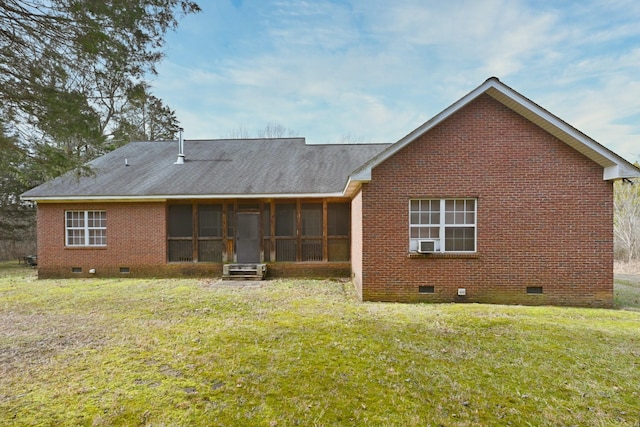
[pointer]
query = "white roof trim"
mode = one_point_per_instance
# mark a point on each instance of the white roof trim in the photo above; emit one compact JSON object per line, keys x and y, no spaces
{"x":620,"y":171}
{"x":352,"y":186}
{"x":162,"y":198}
{"x":615,"y":167}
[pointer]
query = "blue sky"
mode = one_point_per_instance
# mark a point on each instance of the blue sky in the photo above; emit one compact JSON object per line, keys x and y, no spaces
{"x":373,"y":70}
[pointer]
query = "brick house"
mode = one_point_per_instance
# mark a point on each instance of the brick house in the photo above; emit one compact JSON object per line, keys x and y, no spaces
{"x":493,"y":200}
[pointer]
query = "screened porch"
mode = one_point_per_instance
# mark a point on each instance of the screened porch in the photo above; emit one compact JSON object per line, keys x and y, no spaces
{"x":288,"y":230}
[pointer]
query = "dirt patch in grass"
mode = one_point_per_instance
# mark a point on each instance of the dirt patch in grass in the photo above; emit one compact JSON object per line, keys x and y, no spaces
{"x":28,"y":340}
{"x":233,"y":284}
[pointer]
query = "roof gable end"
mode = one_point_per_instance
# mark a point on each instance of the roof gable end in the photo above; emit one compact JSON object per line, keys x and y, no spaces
{"x":614,"y":166}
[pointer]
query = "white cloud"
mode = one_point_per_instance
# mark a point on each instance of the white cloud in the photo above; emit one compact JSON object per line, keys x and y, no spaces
{"x":377,"y":69}
{"x":600,"y":112}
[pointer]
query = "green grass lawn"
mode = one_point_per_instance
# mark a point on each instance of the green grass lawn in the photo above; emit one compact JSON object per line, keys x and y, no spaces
{"x":626,"y":292}
{"x":303,"y":352}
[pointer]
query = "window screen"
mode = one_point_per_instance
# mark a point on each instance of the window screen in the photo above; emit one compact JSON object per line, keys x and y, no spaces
{"x":180,"y":221}
{"x":338,"y":220}
{"x":210,"y":221}
{"x":311,"y":219}
{"x":286,"y":219}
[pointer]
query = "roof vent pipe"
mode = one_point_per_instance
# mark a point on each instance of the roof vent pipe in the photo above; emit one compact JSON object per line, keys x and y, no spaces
{"x":180,"y":160}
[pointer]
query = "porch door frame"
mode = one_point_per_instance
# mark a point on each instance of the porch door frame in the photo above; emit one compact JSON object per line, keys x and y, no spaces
{"x":248,"y":237}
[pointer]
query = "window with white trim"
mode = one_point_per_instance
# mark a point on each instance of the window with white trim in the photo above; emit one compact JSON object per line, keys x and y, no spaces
{"x":86,"y":228}
{"x":449,"y":223}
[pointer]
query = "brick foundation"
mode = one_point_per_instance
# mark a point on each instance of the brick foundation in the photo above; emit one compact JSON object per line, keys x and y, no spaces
{"x":308,"y":269}
{"x":274,"y":270}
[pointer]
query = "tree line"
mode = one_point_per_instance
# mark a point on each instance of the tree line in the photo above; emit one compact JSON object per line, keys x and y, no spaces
{"x":73,"y":86}
{"x":626,"y":221}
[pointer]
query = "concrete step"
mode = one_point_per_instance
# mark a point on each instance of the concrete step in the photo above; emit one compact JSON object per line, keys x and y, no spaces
{"x":244,"y":271}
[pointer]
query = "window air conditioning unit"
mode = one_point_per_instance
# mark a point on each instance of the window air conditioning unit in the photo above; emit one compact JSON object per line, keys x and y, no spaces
{"x":427,"y":246}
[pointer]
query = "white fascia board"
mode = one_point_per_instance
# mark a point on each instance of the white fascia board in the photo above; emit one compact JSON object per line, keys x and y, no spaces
{"x":611,"y":172}
{"x":352,"y":187}
{"x":92,"y":199}
{"x":355,"y":181}
{"x":620,"y":172}
{"x":257,"y":196}
{"x":163,"y":198}
{"x":362,"y":175}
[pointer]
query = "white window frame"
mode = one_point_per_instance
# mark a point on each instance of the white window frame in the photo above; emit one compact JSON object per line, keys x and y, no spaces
{"x":447,"y":219}
{"x":78,"y":231}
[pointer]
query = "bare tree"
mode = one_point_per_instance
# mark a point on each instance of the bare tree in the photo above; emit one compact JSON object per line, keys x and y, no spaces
{"x":240,"y":132}
{"x":350,"y":138}
{"x":626,"y":218}
{"x":276,"y":130}
{"x":271,"y":130}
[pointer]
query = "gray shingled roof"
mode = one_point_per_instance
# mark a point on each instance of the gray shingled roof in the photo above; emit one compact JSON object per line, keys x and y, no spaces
{"x":214,"y":168}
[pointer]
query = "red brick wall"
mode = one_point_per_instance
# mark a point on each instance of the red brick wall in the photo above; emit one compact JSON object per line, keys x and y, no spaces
{"x":544,"y":215}
{"x":136,"y":238}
